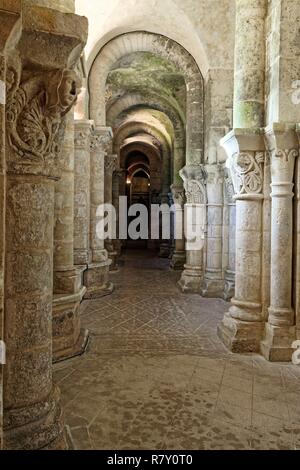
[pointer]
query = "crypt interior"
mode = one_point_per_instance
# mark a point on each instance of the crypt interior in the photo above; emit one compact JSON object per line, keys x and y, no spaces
{"x":150,"y":344}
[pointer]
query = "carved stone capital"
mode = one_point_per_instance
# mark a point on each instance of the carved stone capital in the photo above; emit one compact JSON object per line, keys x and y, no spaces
{"x":282,"y":143}
{"x":247,"y":172}
{"x":101,"y":138}
{"x":110,"y":164}
{"x":194,"y":179}
{"x":82,"y":134}
{"x":178,"y":195}
{"x":228,"y":188}
{"x":245,"y":149}
{"x":36,"y":106}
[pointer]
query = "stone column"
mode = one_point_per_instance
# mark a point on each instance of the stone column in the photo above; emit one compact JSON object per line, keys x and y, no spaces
{"x":164,"y":244}
{"x":110,"y":166}
{"x":83,"y":133}
{"x":179,"y":255}
{"x":213,"y":279}
{"x":96,"y":277}
{"x":242,"y":326}
{"x":37,"y":99}
{"x":9,"y":17}
{"x":249,"y":70}
{"x":117,"y":177}
{"x":69,"y":339}
{"x":194,"y":178}
{"x":280,"y":331}
{"x":229,"y":239}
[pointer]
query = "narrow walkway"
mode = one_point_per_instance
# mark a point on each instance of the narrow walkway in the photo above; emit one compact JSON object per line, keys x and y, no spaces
{"x":156,"y":376}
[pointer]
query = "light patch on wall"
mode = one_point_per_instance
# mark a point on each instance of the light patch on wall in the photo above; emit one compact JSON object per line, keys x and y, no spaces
{"x":2,"y":92}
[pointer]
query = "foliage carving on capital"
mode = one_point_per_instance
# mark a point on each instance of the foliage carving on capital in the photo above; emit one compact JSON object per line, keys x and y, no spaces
{"x":100,"y":142}
{"x":194,"y":178}
{"x":229,"y":189}
{"x":178,"y":195}
{"x":287,"y":155}
{"x":82,"y":138}
{"x":247,"y":172}
{"x":110,"y":163}
{"x":36,"y":106}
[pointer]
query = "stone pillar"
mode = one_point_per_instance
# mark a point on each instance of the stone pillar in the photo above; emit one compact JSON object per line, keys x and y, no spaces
{"x":280,"y":330}
{"x":96,"y":277}
{"x":249,"y":70}
{"x":83,"y":133}
{"x":9,"y":18}
{"x":69,"y":339}
{"x":194,"y":178}
{"x":229,"y":239}
{"x":213,"y":280}
{"x":242,"y":326}
{"x":164,"y":244}
{"x":179,"y":255}
{"x":37,"y":99}
{"x":117,"y":177}
{"x":110,"y":166}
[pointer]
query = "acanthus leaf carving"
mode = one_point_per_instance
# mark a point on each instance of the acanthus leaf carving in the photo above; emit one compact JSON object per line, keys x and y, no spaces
{"x":35,"y":110}
{"x":247,"y":172}
{"x":194,"y":178}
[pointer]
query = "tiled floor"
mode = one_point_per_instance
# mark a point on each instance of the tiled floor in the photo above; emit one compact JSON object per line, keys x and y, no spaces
{"x":156,"y":376}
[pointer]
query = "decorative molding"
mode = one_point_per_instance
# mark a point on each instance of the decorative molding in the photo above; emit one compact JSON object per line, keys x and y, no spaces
{"x":110,"y":163}
{"x":287,"y":155}
{"x":194,"y":179}
{"x":247,"y":172}
{"x":178,"y":195}
{"x":34,"y":116}
{"x":82,"y":138}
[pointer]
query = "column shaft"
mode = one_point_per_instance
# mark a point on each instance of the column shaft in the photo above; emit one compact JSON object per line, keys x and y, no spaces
{"x":68,"y":338}
{"x":96,"y":277}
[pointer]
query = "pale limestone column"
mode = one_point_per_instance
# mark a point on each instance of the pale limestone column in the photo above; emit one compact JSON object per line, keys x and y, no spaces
{"x":249,"y":70}
{"x":96,"y":277}
{"x":37,"y":99}
{"x":117,"y":178}
{"x":280,"y":333}
{"x":242,"y":327}
{"x":69,"y":339}
{"x":213,"y":280}
{"x":229,"y":237}
{"x":83,"y":133}
{"x":179,"y":255}
{"x":110,"y":166}
{"x":296,"y":290}
{"x":194,"y":178}
{"x":164,"y":245}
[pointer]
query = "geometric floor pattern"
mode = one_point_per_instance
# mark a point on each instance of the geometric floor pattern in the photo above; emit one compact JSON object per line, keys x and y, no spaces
{"x":156,"y":376}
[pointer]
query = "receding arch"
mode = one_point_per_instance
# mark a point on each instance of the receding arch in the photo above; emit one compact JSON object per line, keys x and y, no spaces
{"x":169,"y":50}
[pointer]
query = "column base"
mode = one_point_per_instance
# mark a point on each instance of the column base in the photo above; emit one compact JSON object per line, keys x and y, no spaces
{"x":229,"y":289}
{"x":164,"y":250}
{"x":178,"y":260}
{"x":213,"y":288}
{"x":277,"y":343}
{"x":96,"y":280}
{"x":69,"y":340}
{"x":113,"y":256}
{"x":191,"y":280}
{"x":240,"y":336}
{"x":36,"y":427}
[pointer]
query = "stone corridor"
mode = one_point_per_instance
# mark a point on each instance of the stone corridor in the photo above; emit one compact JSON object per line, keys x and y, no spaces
{"x":156,"y":376}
